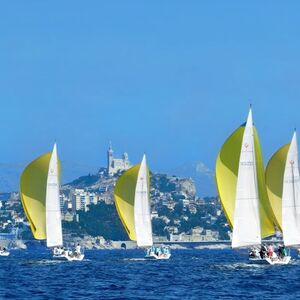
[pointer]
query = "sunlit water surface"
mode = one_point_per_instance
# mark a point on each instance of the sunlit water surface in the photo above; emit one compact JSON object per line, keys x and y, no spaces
{"x":125,"y":274}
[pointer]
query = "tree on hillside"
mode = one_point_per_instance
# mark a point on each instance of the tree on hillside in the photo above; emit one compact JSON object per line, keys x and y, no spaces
{"x":102,"y":219}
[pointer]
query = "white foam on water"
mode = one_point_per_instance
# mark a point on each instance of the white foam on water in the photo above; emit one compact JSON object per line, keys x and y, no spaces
{"x":135,"y":259}
{"x":235,"y":266}
{"x":45,"y":262}
{"x":215,"y":246}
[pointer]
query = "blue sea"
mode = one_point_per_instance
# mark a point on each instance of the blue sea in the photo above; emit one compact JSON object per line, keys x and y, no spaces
{"x":125,"y":274}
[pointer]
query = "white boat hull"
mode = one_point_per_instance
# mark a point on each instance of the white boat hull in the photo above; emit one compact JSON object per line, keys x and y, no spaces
{"x":162,"y":256}
{"x":256,"y":259}
{"x":59,"y":256}
{"x":4,"y":253}
{"x":278,"y":261}
{"x":75,"y":257}
{"x":272,"y":261}
{"x":69,"y":257}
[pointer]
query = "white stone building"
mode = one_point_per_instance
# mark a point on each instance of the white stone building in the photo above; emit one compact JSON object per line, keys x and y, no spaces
{"x":115,"y":165}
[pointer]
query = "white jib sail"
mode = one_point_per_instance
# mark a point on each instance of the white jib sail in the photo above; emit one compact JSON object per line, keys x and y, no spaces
{"x":246,"y":223}
{"x":290,"y":197}
{"x":53,"y":214}
{"x":142,"y":214}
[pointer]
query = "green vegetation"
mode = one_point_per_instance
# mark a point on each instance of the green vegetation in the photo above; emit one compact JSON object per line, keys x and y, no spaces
{"x":188,"y":220}
{"x":100,"y":220}
{"x":158,"y":226}
{"x":162,"y":183}
{"x":85,"y":181}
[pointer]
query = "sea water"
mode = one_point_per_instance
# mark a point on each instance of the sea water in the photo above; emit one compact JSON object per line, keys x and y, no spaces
{"x":126,"y":274}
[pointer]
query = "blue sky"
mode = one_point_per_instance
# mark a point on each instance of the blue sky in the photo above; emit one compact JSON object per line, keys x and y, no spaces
{"x":169,"y":78}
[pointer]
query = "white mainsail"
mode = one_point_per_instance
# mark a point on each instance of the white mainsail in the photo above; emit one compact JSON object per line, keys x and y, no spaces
{"x":53,"y":214}
{"x":246,"y":225}
{"x":142,"y":215}
{"x":290,"y":197}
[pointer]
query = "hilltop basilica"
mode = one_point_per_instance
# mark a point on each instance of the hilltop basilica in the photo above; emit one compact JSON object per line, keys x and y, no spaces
{"x":115,"y":165}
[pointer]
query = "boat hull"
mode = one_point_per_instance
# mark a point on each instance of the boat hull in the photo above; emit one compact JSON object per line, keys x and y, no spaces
{"x":162,"y":256}
{"x":75,"y":257}
{"x":279,"y":261}
{"x":62,"y":257}
{"x":271,"y":261}
{"x":69,"y":257}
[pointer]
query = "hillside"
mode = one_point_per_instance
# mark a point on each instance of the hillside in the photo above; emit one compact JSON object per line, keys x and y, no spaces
{"x":177,"y":213}
{"x":175,"y":208}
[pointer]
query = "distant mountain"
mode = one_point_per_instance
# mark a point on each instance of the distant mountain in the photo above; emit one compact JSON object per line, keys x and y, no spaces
{"x":203,"y":176}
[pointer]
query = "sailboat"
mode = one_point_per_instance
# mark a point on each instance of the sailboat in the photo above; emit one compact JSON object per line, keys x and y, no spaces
{"x":242,"y":190}
{"x":39,"y":189}
{"x":6,"y":240}
{"x":133,"y":206}
{"x":283,"y":186}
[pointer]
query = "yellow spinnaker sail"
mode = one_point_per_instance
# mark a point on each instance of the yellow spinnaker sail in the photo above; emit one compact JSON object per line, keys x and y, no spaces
{"x":33,"y":185}
{"x":227,"y":166}
{"x":124,"y":194}
{"x":274,"y":181}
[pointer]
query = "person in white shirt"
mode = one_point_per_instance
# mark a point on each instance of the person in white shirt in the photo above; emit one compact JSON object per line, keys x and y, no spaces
{"x":78,"y":249}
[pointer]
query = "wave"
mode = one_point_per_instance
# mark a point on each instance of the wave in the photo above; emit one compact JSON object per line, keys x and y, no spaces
{"x":44,"y":262}
{"x":214,"y":246}
{"x":136,"y":259}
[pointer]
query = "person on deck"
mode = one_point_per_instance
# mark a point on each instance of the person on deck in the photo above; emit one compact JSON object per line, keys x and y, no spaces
{"x":263,"y":251}
{"x":283,"y":251}
{"x":78,"y":249}
{"x":280,"y":251}
{"x":270,"y":251}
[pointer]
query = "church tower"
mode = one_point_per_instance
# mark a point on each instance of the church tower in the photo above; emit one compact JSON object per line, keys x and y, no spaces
{"x":116,"y":165}
{"x":110,"y":159}
{"x":126,"y":161}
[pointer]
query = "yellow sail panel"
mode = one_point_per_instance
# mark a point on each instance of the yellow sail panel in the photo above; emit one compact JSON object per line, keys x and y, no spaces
{"x":124,"y":199}
{"x":33,"y":184}
{"x":267,"y":218}
{"x":124,"y":194}
{"x":227,"y":167}
{"x":274,"y":181}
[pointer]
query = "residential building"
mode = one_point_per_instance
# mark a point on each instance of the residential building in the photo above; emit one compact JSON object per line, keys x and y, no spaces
{"x":82,"y":199}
